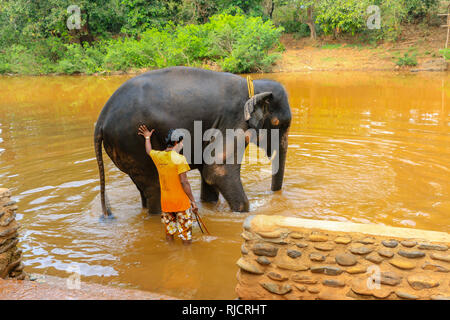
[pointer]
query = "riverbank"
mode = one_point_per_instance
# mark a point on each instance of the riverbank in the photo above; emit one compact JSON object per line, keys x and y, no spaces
{"x":54,"y":288}
{"x":351,"y":54}
{"x":417,"y":49}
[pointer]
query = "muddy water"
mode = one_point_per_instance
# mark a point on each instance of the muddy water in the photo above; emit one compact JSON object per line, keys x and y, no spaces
{"x":371,"y":148}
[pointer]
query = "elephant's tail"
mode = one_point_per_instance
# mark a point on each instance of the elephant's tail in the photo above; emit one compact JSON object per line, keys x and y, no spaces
{"x":98,"y":141}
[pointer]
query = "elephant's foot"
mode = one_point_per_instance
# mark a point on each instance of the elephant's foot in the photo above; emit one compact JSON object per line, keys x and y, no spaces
{"x":109,"y":217}
{"x":153,"y":208}
{"x":209,"y":195}
{"x":240,"y":207}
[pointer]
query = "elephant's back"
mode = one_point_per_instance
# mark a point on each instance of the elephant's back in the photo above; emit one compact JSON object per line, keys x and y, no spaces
{"x":173,"y":95}
{"x":167,"y":98}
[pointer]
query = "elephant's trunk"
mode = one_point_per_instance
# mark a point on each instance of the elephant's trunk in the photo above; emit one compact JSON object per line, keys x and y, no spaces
{"x":278,"y":164}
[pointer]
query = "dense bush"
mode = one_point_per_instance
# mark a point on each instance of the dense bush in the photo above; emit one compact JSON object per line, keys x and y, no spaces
{"x":445,"y":53}
{"x":341,"y":16}
{"x":238,"y":35}
{"x":419,"y":9}
{"x":236,"y":43}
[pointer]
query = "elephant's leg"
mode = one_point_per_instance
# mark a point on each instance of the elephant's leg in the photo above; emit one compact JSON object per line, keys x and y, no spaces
{"x":143,"y":199}
{"x":208,"y":192}
{"x":153,"y":195}
{"x":148,"y":187}
{"x":140,"y":188}
{"x":227,"y":179}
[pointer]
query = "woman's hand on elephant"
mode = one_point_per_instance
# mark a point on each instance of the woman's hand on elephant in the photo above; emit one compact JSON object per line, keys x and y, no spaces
{"x":143,"y":131}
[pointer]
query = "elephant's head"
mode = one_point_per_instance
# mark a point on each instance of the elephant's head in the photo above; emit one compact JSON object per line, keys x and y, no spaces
{"x":269,"y":109}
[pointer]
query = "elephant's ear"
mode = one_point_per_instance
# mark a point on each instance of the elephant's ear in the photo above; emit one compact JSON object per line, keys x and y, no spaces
{"x":256,"y":108}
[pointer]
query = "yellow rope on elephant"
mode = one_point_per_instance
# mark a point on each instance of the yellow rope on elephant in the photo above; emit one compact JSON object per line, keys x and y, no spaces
{"x":251,"y":88}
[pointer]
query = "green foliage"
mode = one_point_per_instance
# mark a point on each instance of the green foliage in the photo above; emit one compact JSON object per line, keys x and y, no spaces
{"x":241,"y":43}
{"x":445,"y":53}
{"x":290,"y":17}
{"x":407,"y":59}
{"x":419,"y":9}
{"x":341,"y":16}
{"x":236,"y":43}
{"x":143,"y":14}
{"x":393,"y":13}
{"x":128,"y":34}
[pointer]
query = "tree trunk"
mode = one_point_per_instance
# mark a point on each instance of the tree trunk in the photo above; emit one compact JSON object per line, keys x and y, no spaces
{"x":271,"y":9}
{"x":310,"y":22}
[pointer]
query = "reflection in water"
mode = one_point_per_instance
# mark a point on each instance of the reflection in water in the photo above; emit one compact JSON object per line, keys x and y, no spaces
{"x":363,"y":147}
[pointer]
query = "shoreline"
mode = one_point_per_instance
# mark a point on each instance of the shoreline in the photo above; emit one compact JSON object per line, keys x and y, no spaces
{"x":344,"y":54}
{"x":46,"y":287}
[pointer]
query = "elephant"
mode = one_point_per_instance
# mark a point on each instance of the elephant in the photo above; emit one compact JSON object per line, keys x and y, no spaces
{"x":176,"y":97}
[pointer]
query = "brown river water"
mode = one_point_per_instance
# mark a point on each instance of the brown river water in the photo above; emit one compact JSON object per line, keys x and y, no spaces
{"x":363,"y":147}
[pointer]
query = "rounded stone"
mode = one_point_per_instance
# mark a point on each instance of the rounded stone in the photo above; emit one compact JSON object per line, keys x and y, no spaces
{"x":276,"y":276}
{"x":405,"y":295}
{"x":359,"y":286}
{"x":275,"y":241}
{"x":318,"y":237}
{"x":408,"y":243}
{"x":4,"y":192}
{"x":296,"y":235}
{"x":303,"y":279}
{"x":440,"y":297}
{"x":390,"y":278}
{"x":441,"y":257}
{"x":263,"y":260}
{"x":248,"y":266}
{"x":301,"y":245}
{"x":343,"y":240}
{"x":294,"y":254}
{"x":313,"y":290}
{"x":300,"y":287}
{"x":361,"y":250}
{"x":276,"y":288}
{"x":332,"y":271}
{"x":324,"y":247}
{"x":248,"y":236}
{"x":368,"y":240}
{"x":434,"y":267}
{"x":402,"y":264}
{"x":375,"y":258}
{"x":356,"y":269}
{"x":385,"y":253}
{"x":272,"y":234}
{"x":420,"y":282}
{"x":411,"y":254}
{"x":286,"y":265}
{"x":390,"y":243}
{"x":317,"y":257}
{"x":244,"y":249}
{"x":346,"y":259}
{"x":431,"y":246}
{"x":333,"y":283}
{"x":264,"y":249}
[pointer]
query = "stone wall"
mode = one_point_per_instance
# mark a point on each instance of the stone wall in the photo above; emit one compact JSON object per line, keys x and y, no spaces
{"x":290,"y":258}
{"x":10,"y":256}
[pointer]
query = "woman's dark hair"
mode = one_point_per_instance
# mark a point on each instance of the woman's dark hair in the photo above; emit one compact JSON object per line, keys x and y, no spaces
{"x":172,"y":137}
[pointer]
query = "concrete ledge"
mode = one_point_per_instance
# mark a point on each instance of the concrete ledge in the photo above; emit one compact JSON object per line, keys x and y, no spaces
{"x":54,"y":288}
{"x":291,"y":258}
